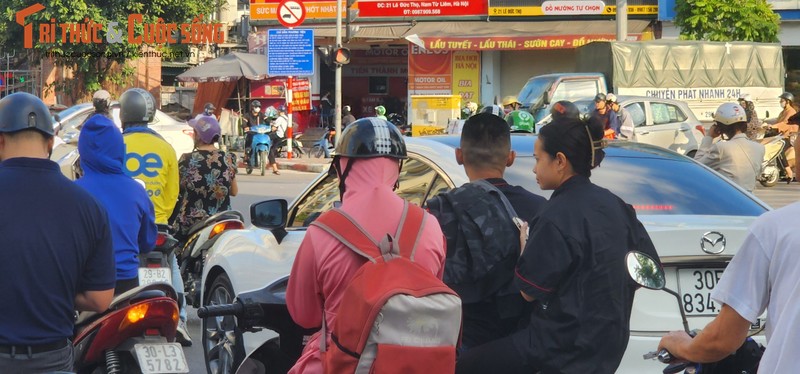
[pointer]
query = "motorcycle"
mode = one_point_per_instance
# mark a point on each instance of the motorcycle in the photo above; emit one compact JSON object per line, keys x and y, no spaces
{"x":776,"y":159}
{"x":136,"y":334}
{"x":201,"y":237}
{"x":259,"y":148}
{"x":325,"y":145}
{"x":399,"y":121}
{"x":647,"y":273}
{"x":297,"y":146}
{"x":264,"y":309}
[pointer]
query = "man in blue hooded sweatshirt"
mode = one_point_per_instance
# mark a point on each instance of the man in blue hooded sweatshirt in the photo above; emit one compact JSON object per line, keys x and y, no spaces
{"x":130,"y":211}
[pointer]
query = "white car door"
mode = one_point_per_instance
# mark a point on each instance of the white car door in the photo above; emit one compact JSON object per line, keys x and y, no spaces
{"x":670,"y":128}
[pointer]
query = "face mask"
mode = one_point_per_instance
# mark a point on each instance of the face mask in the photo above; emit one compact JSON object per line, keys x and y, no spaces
{"x":208,"y":112}
{"x":256,"y":110}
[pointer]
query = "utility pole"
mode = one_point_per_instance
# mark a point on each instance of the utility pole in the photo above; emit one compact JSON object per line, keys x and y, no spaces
{"x":337,"y":96}
{"x":622,"y":20}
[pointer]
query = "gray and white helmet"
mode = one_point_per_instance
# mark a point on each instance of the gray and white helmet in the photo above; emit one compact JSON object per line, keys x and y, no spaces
{"x":371,"y":137}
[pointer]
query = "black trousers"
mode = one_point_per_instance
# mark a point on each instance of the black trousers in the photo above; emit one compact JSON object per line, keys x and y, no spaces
{"x":124,"y":285}
{"x":499,"y":356}
{"x":248,"y":145}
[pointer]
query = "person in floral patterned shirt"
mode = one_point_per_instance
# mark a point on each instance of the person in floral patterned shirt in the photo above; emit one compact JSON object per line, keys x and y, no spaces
{"x":207,"y":177}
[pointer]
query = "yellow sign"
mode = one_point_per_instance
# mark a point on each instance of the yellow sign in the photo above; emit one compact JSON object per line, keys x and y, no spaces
{"x":268,"y":10}
{"x":467,"y":75}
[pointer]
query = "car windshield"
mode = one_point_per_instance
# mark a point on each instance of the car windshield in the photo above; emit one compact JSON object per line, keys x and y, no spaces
{"x":656,"y":186}
{"x":531,"y":94}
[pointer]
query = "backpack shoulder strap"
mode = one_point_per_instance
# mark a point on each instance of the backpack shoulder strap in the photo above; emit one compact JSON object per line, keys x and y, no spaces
{"x":488,"y":187}
{"x":342,"y":227}
{"x":412,"y":222}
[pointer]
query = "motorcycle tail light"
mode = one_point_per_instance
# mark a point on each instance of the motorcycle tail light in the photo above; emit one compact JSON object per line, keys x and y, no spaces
{"x":137,"y":312}
{"x":701,"y":129}
{"x":223,"y":226}
{"x":161,"y":238}
{"x":152,"y":332}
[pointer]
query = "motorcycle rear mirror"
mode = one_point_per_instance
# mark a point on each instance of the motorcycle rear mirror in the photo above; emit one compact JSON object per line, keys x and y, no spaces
{"x":645,"y":271}
{"x":271,"y":215}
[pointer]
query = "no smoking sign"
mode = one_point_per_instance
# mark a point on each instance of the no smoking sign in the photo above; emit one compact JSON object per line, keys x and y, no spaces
{"x":291,"y":13}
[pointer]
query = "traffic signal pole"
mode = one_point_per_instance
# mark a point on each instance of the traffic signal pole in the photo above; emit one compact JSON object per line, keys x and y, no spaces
{"x":337,"y":96}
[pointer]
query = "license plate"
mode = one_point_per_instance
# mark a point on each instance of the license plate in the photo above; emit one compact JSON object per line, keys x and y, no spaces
{"x":161,"y":358}
{"x":153,"y":275}
{"x":695,"y":286}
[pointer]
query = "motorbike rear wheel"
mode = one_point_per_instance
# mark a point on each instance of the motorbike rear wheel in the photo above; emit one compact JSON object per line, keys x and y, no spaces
{"x":223,"y":345}
{"x":772,"y":179}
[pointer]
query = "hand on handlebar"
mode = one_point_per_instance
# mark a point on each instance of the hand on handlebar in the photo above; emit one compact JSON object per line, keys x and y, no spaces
{"x":673,"y":341}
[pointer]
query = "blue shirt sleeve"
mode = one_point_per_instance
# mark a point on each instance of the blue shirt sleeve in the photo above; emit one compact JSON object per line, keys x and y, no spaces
{"x":99,"y":271}
{"x":148,"y":231}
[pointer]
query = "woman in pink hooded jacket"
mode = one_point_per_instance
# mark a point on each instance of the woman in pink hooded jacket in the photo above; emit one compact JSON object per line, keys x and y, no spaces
{"x":366,"y":163}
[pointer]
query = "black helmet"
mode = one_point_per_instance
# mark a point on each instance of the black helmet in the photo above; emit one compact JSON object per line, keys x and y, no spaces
{"x":208,"y":108}
{"x":566,"y":109}
{"x":255,"y":104}
{"x":600,"y":97}
{"x":788,"y":96}
{"x":371,"y":137}
{"x":21,"y":111}
{"x":136,"y":105}
{"x":494,"y":109}
{"x":101,"y":101}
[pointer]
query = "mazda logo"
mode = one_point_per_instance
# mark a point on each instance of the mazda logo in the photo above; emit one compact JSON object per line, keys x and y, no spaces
{"x":712,"y":243}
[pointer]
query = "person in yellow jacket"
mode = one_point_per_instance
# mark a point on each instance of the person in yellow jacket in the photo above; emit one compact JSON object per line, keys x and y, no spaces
{"x":149,"y":158}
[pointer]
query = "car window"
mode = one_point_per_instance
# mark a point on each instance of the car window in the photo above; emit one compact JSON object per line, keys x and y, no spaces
{"x":575,"y":89}
{"x":439,"y":186}
{"x":73,"y":124}
{"x":656,"y":186}
{"x":636,"y":110}
{"x":415,"y":179}
{"x":317,"y":201}
{"x":666,"y":113}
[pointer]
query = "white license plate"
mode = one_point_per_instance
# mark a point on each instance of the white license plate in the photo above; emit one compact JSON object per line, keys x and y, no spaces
{"x":695,"y":286}
{"x":161,"y":358}
{"x":153,"y":275}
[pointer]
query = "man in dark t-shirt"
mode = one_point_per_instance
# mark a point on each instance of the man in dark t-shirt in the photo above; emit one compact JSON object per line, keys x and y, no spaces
{"x":472,"y":219}
{"x":56,"y":253}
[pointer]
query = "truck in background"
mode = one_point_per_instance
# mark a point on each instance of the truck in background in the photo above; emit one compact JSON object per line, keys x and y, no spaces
{"x":703,"y":74}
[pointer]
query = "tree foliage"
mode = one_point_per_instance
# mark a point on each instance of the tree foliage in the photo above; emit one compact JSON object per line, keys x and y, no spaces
{"x":93,"y":64}
{"x":727,"y":20}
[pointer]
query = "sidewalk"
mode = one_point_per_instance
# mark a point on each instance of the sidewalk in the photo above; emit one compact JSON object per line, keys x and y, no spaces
{"x":306,"y":164}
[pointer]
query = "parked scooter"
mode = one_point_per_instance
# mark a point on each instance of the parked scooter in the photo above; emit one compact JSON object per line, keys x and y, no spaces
{"x":325,"y":145}
{"x":201,"y":237}
{"x":260,"y":148}
{"x":647,"y":273}
{"x":136,"y":334}
{"x":297,"y":146}
{"x":264,"y":309}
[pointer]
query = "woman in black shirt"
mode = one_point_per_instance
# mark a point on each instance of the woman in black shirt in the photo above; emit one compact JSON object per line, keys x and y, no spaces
{"x":573,"y":267}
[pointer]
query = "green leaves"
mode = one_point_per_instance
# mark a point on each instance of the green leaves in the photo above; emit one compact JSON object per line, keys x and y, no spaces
{"x":727,"y":20}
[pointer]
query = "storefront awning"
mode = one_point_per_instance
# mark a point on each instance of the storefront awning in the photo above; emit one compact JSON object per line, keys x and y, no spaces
{"x":498,"y":35}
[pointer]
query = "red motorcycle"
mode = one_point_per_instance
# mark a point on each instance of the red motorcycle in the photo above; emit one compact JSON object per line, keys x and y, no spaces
{"x":136,"y":334}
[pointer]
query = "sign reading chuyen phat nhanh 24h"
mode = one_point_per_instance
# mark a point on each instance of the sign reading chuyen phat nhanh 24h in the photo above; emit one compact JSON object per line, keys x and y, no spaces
{"x":290,"y":52}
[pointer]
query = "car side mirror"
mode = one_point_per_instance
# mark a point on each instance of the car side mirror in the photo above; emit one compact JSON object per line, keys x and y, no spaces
{"x":767,"y":115}
{"x":271,"y":215}
{"x":57,"y":118}
{"x":546,"y":98}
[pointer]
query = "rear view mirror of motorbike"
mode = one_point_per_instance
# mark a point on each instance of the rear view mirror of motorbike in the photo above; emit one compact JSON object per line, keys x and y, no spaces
{"x":645,"y":271}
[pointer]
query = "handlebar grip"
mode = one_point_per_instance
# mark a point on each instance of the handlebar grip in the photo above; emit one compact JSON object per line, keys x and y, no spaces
{"x":234,"y":309}
{"x":663,"y":355}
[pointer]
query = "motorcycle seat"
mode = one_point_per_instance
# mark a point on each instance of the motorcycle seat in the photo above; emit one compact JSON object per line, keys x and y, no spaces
{"x":124,"y":299}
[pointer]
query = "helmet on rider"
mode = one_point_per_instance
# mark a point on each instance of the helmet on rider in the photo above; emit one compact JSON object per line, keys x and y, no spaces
{"x":745,"y":97}
{"x":730,"y":113}
{"x":22,"y":111}
{"x":788,"y":96}
{"x":282,"y":108}
{"x":271,"y":112}
{"x":566,"y":109}
{"x":101,"y":100}
{"x":520,"y":121}
{"x":206,"y":128}
{"x":494,"y":109}
{"x":136,"y":107}
{"x":511,"y":101}
{"x":209,"y":109}
{"x":255,"y":106}
{"x":380,"y":110}
{"x":367,"y":138}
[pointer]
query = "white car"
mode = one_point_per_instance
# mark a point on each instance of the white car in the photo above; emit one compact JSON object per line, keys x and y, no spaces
{"x":696,"y":218}
{"x":177,"y":133}
{"x":663,"y":122}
